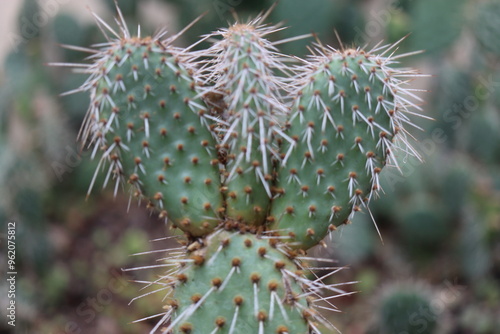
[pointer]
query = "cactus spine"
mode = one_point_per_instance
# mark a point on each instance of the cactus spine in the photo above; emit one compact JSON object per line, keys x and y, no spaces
{"x":252,"y":184}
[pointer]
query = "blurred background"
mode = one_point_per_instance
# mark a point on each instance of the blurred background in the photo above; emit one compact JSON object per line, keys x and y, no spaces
{"x":438,"y":267}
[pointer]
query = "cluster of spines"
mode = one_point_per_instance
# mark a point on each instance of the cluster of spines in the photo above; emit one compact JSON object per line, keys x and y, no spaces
{"x":244,"y":69}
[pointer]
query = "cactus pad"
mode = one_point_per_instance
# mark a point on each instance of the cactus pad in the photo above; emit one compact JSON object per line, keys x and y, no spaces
{"x":152,"y":129}
{"x":347,"y":121}
{"x":242,"y":70}
{"x":240,"y":283}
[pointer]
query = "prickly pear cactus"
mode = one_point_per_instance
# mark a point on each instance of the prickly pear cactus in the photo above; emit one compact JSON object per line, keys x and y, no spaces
{"x":404,"y":309}
{"x":256,"y":284}
{"x":243,"y":71}
{"x":152,"y":130}
{"x":253,"y":180}
{"x":348,"y":113}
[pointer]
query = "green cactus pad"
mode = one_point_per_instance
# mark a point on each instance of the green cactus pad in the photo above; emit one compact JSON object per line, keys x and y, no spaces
{"x":240,"y":283}
{"x":152,"y":129}
{"x":242,"y":70}
{"x":344,"y":123}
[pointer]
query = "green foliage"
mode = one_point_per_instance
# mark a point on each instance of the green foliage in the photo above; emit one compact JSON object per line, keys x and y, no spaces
{"x":295,"y":14}
{"x":21,"y":75}
{"x":399,"y":25}
{"x":67,"y":30}
{"x":458,"y":182}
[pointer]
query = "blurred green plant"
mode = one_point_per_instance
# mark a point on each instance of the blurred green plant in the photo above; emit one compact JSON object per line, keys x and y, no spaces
{"x":407,"y":309}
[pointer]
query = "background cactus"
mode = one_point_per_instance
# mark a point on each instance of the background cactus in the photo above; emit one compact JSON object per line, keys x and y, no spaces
{"x":405,"y":309}
{"x":354,"y":243}
{"x":86,"y":242}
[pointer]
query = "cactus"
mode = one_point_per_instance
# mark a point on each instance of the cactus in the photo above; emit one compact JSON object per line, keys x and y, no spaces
{"x":407,"y":309}
{"x":452,"y":86}
{"x":257,"y":283}
{"x":424,"y":228}
{"x":482,"y":127}
{"x":153,"y":129}
{"x":253,"y":180}
{"x":346,"y":122}
{"x":472,"y":248}
{"x":244,"y":69}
